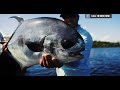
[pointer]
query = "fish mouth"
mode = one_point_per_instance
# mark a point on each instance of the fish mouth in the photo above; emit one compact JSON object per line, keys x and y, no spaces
{"x":76,"y":54}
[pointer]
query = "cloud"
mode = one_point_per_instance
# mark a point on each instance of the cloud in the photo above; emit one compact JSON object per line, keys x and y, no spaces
{"x":105,"y":38}
{"x":94,"y":36}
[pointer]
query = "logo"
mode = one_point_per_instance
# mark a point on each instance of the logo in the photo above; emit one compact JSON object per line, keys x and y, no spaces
{"x":98,"y":15}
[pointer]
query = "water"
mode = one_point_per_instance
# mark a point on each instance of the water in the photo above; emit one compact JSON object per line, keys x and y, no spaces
{"x":103,"y":62}
{"x":38,"y":70}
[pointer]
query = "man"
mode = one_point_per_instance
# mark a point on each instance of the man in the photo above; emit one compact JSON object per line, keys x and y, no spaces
{"x":1,"y":37}
{"x":2,"y":40}
{"x":8,"y":66}
{"x":77,"y":68}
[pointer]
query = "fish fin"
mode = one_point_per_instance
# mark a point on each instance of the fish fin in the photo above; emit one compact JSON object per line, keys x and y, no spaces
{"x":18,"y":18}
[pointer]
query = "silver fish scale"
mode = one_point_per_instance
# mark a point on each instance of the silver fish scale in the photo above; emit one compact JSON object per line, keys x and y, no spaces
{"x":45,"y":35}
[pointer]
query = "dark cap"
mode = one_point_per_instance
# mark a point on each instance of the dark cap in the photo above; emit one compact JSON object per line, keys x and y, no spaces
{"x":68,"y":15}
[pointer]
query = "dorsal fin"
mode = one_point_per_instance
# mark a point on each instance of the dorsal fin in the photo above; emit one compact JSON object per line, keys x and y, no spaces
{"x":18,"y":18}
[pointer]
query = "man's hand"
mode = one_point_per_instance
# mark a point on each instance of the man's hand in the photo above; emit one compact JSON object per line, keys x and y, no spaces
{"x":4,"y":48}
{"x":50,"y":62}
{"x":3,"y":42}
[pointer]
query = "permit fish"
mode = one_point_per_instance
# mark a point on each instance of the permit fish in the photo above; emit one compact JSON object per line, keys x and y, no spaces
{"x":36,"y":36}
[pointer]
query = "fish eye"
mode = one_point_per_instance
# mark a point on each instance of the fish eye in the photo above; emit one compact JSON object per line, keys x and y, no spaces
{"x":67,"y":43}
{"x":34,"y":46}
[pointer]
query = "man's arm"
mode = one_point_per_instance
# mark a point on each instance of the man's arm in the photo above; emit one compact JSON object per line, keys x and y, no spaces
{"x":8,"y":66}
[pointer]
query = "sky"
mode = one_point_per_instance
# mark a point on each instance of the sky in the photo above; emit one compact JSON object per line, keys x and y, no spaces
{"x":101,"y":29}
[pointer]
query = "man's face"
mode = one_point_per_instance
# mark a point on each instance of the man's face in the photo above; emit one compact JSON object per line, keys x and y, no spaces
{"x":72,"y":21}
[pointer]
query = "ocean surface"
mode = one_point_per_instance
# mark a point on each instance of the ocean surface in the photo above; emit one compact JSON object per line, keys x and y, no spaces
{"x":103,"y":62}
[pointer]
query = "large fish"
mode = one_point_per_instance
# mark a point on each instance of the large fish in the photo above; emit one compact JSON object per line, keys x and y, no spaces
{"x":45,"y":35}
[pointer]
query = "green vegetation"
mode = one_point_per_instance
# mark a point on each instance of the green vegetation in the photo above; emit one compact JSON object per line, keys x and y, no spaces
{"x":105,"y":44}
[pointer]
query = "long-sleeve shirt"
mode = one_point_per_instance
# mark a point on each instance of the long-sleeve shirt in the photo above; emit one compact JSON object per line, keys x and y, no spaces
{"x":79,"y":67}
{"x":1,"y":40}
{"x":1,"y":37}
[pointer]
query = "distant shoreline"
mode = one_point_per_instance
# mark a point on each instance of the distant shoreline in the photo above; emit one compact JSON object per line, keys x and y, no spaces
{"x":97,"y":44}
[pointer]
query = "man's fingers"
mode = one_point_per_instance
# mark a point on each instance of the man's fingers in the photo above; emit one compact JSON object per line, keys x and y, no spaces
{"x":50,"y":64}
{"x":48,"y":61}
{"x":56,"y":62}
{"x":41,"y":61}
{"x":48,"y":57}
{"x":44,"y":63}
